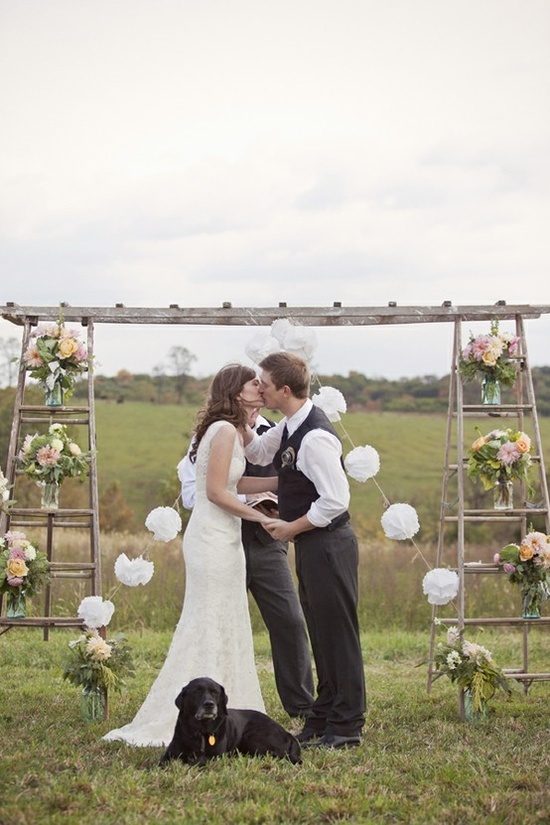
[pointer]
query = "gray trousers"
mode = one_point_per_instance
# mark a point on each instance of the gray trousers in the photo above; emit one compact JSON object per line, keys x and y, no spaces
{"x":269,"y":580}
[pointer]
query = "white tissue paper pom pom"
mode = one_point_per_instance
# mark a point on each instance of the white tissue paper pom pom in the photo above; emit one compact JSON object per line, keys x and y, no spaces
{"x":261,"y":345}
{"x":400,"y":521}
{"x":300,"y":341}
{"x":331,"y":401}
{"x":95,"y":612}
{"x":362,"y":463}
{"x":440,"y":585}
{"x":164,"y":523}
{"x":132,"y":572}
{"x":279,"y":329}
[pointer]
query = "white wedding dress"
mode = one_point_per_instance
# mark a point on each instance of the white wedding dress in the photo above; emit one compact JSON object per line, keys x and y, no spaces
{"x":213,"y":636}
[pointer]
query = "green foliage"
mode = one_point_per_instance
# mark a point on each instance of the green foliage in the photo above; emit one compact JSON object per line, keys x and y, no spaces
{"x":484,"y":461}
{"x":96,"y":663}
{"x":471,"y":666}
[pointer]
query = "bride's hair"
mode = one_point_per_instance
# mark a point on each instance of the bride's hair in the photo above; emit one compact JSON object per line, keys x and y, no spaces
{"x":222,"y":403}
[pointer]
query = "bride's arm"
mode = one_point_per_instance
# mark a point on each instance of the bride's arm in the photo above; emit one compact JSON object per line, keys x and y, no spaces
{"x":217,"y":474}
{"x":248,"y":485}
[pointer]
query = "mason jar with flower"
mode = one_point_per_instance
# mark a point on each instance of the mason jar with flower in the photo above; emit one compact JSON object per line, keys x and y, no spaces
{"x":491,"y":358}
{"x":24,"y":571}
{"x":55,"y":357}
{"x":528,"y":566}
{"x":474,"y":670}
{"x":49,"y":458}
{"x":97,"y":665}
{"x":497,"y":459}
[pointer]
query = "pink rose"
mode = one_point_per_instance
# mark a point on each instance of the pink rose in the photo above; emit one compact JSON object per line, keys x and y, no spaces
{"x":508,"y":568}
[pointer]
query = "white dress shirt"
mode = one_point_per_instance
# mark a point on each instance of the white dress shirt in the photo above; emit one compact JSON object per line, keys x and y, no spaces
{"x":319,"y":459}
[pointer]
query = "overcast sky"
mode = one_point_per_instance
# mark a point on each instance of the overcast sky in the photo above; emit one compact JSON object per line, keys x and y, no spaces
{"x":307,"y":151}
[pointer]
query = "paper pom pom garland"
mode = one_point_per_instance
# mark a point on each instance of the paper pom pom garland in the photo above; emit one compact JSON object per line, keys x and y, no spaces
{"x":331,"y":401}
{"x":440,"y":585}
{"x":133,"y":572}
{"x":164,"y":523}
{"x":400,"y":521}
{"x":362,"y":463}
{"x":95,"y":612}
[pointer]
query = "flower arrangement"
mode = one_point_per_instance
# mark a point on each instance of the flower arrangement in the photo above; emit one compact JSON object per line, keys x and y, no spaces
{"x":96,"y":664}
{"x":471,"y":666}
{"x":55,"y":355}
{"x":528,"y":565}
{"x":502,"y":455}
{"x":51,"y":457}
{"x":24,"y":571}
{"x":490,"y":355}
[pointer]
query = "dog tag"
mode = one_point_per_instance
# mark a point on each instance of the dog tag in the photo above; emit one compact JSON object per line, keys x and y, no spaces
{"x":211,"y":740}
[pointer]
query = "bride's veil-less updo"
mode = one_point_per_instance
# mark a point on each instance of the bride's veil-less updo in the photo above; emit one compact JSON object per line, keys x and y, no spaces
{"x":222,"y":403}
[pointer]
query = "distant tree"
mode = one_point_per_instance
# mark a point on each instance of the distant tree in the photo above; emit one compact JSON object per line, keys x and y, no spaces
{"x":180,"y":362}
{"x":9,"y":357}
{"x":159,"y":379}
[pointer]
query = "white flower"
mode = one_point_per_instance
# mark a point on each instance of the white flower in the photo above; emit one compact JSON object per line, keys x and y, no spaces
{"x":362,"y":463}
{"x":261,"y":345}
{"x":400,"y":521}
{"x":453,"y":636}
{"x":164,"y":523}
{"x":98,"y":649}
{"x":30,"y":551}
{"x":74,"y":449}
{"x":56,"y":444}
{"x":331,"y":401}
{"x":440,"y":585}
{"x":133,"y":571}
{"x":95,"y":612}
{"x":453,"y":660}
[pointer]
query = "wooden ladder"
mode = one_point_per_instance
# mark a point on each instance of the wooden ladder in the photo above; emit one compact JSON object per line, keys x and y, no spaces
{"x":45,"y":524}
{"x":455,"y":513}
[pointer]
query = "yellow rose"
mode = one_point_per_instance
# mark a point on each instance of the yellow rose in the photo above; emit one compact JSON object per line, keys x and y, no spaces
{"x":523,"y":443}
{"x":17,"y":568}
{"x":525,"y":552}
{"x":67,"y":347}
{"x":490,"y":357}
{"x":478,"y":443}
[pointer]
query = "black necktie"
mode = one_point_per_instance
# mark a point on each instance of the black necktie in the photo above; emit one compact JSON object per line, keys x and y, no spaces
{"x":284,"y":437}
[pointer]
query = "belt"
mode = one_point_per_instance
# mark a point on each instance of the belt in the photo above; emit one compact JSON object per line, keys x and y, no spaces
{"x":339,"y":521}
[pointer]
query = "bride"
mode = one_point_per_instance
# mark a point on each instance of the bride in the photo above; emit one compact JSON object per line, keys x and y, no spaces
{"x":213,"y":636}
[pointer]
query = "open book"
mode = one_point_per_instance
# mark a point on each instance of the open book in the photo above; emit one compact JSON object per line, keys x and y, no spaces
{"x":265,"y":502}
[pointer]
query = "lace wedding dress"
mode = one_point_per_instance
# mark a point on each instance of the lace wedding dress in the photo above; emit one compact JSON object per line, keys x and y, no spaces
{"x":213,"y":636}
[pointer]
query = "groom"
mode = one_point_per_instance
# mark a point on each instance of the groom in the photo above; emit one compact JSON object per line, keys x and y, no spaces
{"x":313,"y":499}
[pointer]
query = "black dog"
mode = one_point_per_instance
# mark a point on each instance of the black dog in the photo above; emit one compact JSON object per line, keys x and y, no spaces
{"x":206,"y":727}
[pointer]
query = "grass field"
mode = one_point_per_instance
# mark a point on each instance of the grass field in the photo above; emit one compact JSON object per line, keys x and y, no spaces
{"x":418,"y":762}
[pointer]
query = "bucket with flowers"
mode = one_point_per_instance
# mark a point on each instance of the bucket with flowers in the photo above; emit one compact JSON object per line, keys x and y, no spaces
{"x":497,"y":459}
{"x":49,"y":458}
{"x":490,"y":357}
{"x":55,"y":356}
{"x":528,"y":565}
{"x":24,"y":571}
{"x":473,"y":668}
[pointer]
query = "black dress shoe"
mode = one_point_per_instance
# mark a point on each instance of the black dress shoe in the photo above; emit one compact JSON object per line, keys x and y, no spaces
{"x":333,"y":741}
{"x":308,"y":735}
